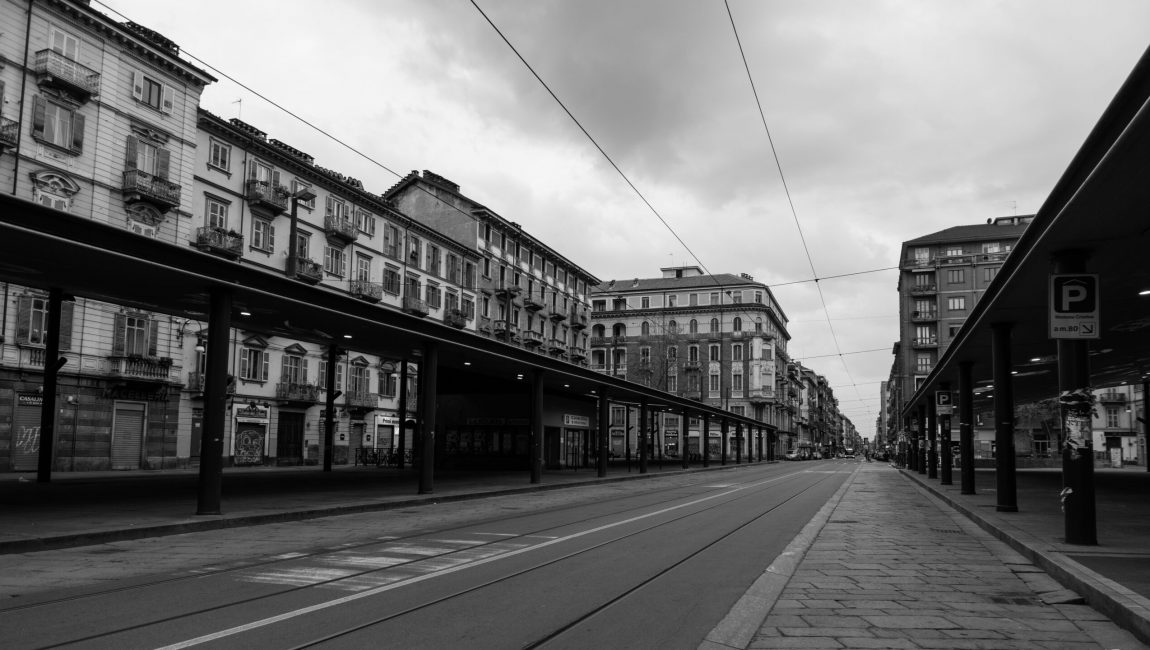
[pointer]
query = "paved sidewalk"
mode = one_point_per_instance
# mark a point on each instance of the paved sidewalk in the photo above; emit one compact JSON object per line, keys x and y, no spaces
{"x":887,"y":565}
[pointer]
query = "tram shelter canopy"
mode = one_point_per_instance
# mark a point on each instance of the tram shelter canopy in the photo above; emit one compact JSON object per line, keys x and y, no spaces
{"x":1100,"y":208}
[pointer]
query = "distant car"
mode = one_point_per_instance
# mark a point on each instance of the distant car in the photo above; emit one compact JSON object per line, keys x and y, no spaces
{"x":849,"y":454}
{"x":792,"y":455}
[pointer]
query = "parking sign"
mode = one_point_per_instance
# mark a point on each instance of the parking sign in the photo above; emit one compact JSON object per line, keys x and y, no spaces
{"x":1074,"y":306}
{"x":943,"y":403}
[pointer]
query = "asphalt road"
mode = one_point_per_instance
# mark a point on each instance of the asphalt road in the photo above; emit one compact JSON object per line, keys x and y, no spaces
{"x":651,"y":566}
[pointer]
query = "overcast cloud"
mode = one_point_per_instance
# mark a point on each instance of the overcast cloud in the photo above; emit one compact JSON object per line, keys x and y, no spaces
{"x":891,"y":120}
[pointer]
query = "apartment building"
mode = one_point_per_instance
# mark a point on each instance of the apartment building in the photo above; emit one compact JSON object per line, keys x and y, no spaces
{"x":98,"y":119}
{"x":720,"y":339}
{"x":941,"y":277}
{"x":530,"y":295}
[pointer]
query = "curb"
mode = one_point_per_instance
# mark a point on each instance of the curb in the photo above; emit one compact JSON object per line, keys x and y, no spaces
{"x":1128,"y":609}
{"x":738,"y":627}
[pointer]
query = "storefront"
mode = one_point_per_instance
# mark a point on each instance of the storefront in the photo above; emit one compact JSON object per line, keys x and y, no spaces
{"x":251,"y":434}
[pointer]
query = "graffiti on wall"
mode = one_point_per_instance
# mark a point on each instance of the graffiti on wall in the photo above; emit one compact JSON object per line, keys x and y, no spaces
{"x":28,"y":440}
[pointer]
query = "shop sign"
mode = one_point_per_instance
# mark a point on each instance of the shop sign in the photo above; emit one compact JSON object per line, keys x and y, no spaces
{"x":576,"y":421}
{"x":26,"y":399}
{"x":251,"y":412}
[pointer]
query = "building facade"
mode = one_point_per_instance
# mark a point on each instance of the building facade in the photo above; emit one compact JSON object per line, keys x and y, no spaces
{"x":99,"y":120}
{"x":720,"y":339}
{"x":941,"y":277}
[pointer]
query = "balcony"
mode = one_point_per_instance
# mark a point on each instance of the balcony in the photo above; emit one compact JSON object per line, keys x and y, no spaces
{"x":576,"y":353}
{"x":32,"y":357}
{"x":140,"y":368}
{"x":340,"y":228}
{"x":455,"y":318}
{"x":921,"y":289}
{"x":599,"y":367}
{"x":414,"y":306}
{"x":143,"y":187}
{"x":507,"y":290}
{"x":9,"y":130}
{"x":369,"y":291}
{"x":692,"y":366}
{"x":919,"y":316}
{"x":620,"y":370}
{"x":503,"y":327}
{"x":58,"y":71}
{"x":308,"y":270}
{"x":532,"y":338}
{"x":578,"y":321}
{"x":1112,"y":397}
{"x":760,"y":395}
{"x":532,"y":303}
{"x":599,"y":341}
{"x":196,"y":383}
{"x":220,"y":242}
{"x":557,"y":346}
{"x":262,"y":194}
{"x":360,"y":400}
{"x":927,"y":342}
{"x":303,"y":393}
{"x":693,"y":393}
{"x":484,"y":325}
{"x":557,"y":316}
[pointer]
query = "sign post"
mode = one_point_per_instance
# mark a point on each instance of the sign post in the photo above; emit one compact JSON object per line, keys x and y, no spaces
{"x":1074,"y":312}
{"x":944,"y":406}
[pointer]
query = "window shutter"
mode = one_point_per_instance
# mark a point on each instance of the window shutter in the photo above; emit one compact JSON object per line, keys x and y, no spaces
{"x":66,"y":310}
{"x":138,"y":85}
{"x":330,"y":206}
{"x":163,"y":163}
{"x":244,"y":354}
{"x":275,"y":179}
{"x":133,"y":146}
{"x":252,"y":170}
{"x":303,"y":372}
{"x":23,"y":318}
{"x":266,"y":359}
{"x":168,"y":100}
{"x":284,"y":376}
{"x":39,"y":106}
{"x":77,"y":132}
{"x":271,"y":238}
{"x":153,"y":337}
{"x":119,"y":334}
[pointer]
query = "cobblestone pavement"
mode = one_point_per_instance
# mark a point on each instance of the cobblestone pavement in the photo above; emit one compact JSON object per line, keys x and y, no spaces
{"x":893,"y":567}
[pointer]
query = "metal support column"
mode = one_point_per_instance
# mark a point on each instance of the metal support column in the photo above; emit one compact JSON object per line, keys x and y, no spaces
{"x":921,"y":456}
{"x":1145,"y":423}
{"x":52,"y":364}
{"x":946,"y":454}
{"x":215,"y":404}
{"x":1005,"y":478}
{"x":604,"y":432}
{"x":644,"y":433}
{"x":329,"y":408}
{"x":537,"y":426}
{"x":401,"y":446}
{"x":738,"y":442}
{"x":705,"y":439}
{"x":723,"y":441}
{"x":685,"y":436}
{"x":966,"y":425}
{"x":1078,"y":504}
{"x":931,"y":440}
{"x":428,"y":396}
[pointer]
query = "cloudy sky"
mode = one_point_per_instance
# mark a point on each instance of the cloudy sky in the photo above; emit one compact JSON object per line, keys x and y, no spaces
{"x":891,"y":120}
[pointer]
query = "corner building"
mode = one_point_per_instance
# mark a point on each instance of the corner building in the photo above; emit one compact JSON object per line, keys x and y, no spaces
{"x":719,"y":339}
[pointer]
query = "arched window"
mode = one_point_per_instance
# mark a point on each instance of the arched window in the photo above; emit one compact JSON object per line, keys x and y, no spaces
{"x":598,"y":331}
{"x":694,"y":326}
{"x":672,"y":327}
{"x":619,"y":330}
{"x":714,"y":325}
{"x":759,"y":325}
{"x":737,"y":324}
{"x":645,"y":329}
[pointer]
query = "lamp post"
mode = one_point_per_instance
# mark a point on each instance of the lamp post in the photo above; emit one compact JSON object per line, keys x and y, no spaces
{"x":302,"y":194}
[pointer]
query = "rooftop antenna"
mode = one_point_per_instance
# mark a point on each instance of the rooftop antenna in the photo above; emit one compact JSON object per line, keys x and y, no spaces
{"x":240,"y":109}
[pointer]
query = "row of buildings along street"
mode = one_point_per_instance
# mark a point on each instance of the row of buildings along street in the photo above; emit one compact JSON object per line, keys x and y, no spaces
{"x":102,"y":119}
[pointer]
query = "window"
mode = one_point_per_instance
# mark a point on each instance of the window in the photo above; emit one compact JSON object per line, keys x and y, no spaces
{"x":714,"y":325}
{"x":713,"y":352}
{"x":263,"y":235}
{"x":737,"y":381}
{"x":737,"y":324}
{"x":134,"y":335}
{"x":645,"y":356}
{"x":219,"y":155}
{"x":362,"y":267}
{"x":714,"y":382}
{"x":65,"y":44}
{"x":672,"y":383}
{"x":759,"y":325}
{"x":714,"y":297}
{"x":338,"y":209}
{"x":434,"y":296}
{"x":391,"y":280}
{"x":955,"y":276}
{"x":467,"y":305}
{"x":57,"y":125}
{"x":952,"y":251}
{"x":952,"y":330}
{"x":736,"y":297}
{"x":432,"y":259}
{"x":645,"y":302}
{"x":693,"y":353}
{"x":737,"y":352}
{"x":333,"y":260}
{"x":645,"y":329}
{"x":253,"y":364}
{"x":672,"y":327}
{"x":217,"y":213}
{"x":412,"y":287}
{"x":149,"y":91}
{"x":413,"y":248}
{"x":693,"y":326}
{"x":991,"y":247}
{"x":759,"y":297}
{"x":391,"y":241}
{"x":740,"y":411}
{"x":924,"y":334}
{"x":693,"y":299}
{"x":293,"y":369}
{"x":921,"y":254}
{"x":988,"y":273}
{"x":365,"y":222}
{"x":146,"y":157}
{"x":302,"y":245}
{"x":1111,"y":417}
{"x":359,"y":379}
{"x":32,"y":321}
{"x":923,"y":281}
{"x":956,"y":303}
{"x":922,"y":363}
{"x":468,"y":275}
{"x":672,"y":300}
{"x":672,"y":352}
{"x":598,"y":305}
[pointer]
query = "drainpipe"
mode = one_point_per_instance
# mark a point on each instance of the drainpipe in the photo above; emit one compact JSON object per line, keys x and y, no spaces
{"x":20,"y":122}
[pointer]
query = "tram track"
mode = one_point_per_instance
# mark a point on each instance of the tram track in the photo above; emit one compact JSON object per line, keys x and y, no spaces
{"x":421,"y":535}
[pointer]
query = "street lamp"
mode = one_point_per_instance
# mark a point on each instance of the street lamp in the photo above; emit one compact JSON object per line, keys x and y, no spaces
{"x":302,"y":194}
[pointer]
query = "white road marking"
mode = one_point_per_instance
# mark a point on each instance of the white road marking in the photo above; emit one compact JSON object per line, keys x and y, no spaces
{"x":246,"y":627}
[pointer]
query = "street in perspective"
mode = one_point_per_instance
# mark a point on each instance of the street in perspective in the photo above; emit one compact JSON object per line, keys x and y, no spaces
{"x":692,"y":325}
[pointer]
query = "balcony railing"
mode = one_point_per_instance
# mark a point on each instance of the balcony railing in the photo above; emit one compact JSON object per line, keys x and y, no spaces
{"x":578,"y":321}
{"x":297,"y":392}
{"x":760,"y":395}
{"x":196,"y":383}
{"x":340,"y":228}
{"x":692,"y":366}
{"x":557,"y":316}
{"x":266,"y":195}
{"x":220,"y":242}
{"x":576,"y":352}
{"x":502,"y":326}
{"x":32,"y":357}
{"x":927,"y":342}
{"x":922,"y":288}
{"x":456,"y":318}
{"x":9,"y":130}
{"x":57,"y":70}
{"x":531,"y":337}
{"x":367,"y":290}
{"x":1112,"y":397}
{"x":360,"y":399}
{"x":139,"y":368}
{"x":507,"y":289}
{"x":308,"y":270}
{"x":142,"y":186}
{"x":924,"y":315}
{"x":532,"y":302}
{"x":414,"y":306}
{"x":484,"y":324}
{"x":557,"y":346}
